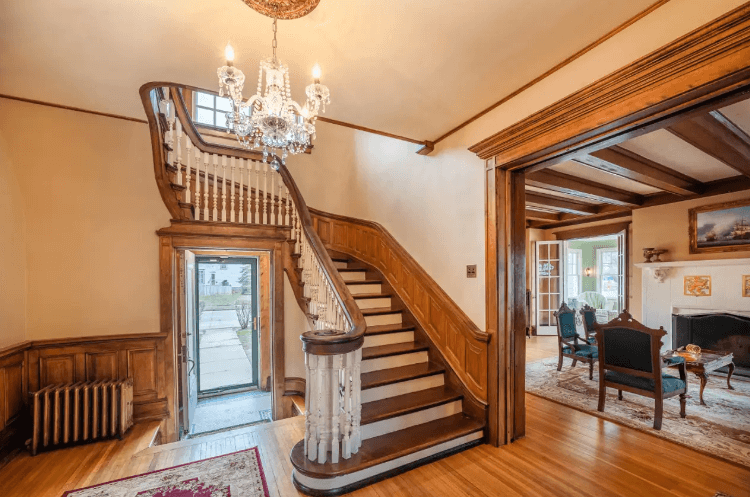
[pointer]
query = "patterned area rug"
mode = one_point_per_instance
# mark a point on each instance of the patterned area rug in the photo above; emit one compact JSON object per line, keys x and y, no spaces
{"x":721,"y":428}
{"x":233,"y":475}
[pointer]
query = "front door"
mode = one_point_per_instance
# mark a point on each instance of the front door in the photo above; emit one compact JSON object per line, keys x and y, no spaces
{"x":188,"y":342}
{"x":227,"y":310}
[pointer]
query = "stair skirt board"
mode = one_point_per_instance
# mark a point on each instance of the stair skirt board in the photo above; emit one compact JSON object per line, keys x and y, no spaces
{"x":405,"y":421}
{"x":380,"y":319}
{"x":402,"y":388}
{"x":388,"y":339}
{"x":354,"y":276}
{"x":394,"y":361}
{"x":348,"y":483}
{"x":373,"y":303}
{"x":360,"y":289}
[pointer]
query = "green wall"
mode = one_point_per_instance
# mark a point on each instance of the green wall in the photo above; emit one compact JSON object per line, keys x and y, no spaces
{"x":588,"y":258}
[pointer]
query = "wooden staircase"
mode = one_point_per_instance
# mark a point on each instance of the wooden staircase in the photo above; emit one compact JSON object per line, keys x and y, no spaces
{"x":411,"y":415}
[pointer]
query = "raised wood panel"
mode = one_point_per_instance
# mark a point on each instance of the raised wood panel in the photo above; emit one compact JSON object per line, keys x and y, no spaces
{"x":476,"y":366}
{"x":437,"y":322}
{"x":324,"y":231}
{"x":455,"y":345}
{"x":12,"y":391}
{"x":142,"y":368}
{"x":339,"y":234}
{"x":55,"y":370}
{"x":102,"y":366}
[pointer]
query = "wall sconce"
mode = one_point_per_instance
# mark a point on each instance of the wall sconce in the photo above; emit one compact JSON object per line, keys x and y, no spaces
{"x":588,"y":271}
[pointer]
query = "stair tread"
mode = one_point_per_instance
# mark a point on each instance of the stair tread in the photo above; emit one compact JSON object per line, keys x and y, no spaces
{"x":364,"y":282}
{"x":382,"y":329}
{"x":388,"y":447}
{"x":402,"y":373}
{"x":406,"y":404}
{"x":365,"y":296}
{"x":375,"y":311}
{"x":392,"y":349}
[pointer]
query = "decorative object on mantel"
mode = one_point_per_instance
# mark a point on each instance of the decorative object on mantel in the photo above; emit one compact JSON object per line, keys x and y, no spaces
{"x":283,"y":9}
{"x":697,"y":286}
{"x":271,"y":120}
{"x":660,"y":274}
{"x":721,"y":227}
{"x":746,"y":285}
{"x":648,"y":253}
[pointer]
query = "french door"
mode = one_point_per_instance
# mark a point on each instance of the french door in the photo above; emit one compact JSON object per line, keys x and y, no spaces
{"x":550,"y":283}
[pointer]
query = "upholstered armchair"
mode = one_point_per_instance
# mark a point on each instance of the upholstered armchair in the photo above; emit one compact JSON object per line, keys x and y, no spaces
{"x":568,"y":341}
{"x":630,"y":360}
{"x":588,"y":316}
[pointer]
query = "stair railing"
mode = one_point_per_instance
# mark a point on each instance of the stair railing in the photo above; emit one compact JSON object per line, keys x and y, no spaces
{"x":251,"y":192}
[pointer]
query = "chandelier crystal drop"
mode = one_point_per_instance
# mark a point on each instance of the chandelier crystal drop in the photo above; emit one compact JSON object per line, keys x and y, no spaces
{"x":270,"y":120}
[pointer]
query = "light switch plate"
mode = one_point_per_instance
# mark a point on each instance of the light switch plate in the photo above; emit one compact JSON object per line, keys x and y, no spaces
{"x":471,"y":271}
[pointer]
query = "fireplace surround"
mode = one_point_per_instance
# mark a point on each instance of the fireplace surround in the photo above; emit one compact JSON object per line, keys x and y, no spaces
{"x":715,"y":331}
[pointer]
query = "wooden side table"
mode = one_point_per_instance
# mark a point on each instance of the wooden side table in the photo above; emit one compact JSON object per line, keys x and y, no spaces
{"x":707,"y":362}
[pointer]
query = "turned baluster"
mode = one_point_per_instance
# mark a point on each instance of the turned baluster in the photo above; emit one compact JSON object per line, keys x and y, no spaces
{"x":357,"y":401}
{"x":249,"y":191}
{"x":346,"y":443}
{"x":242,"y":191}
{"x":231,"y":190}
{"x":216,"y":185}
{"x":206,"y":160}
{"x":287,"y":212}
{"x":223,"y":188}
{"x":271,"y":190}
{"x":178,"y":146}
{"x":266,"y":215}
{"x":311,"y":412}
{"x":280,"y":196}
{"x":188,"y":168}
{"x":197,"y":184}
{"x":324,"y":428}
{"x":256,"y":169}
{"x":335,"y":407}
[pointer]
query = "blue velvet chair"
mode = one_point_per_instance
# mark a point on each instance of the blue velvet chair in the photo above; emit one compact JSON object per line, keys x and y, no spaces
{"x":588,"y":316}
{"x":568,"y":341}
{"x":630,"y":360}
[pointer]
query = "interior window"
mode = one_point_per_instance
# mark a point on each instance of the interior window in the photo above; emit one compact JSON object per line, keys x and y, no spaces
{"x":573,"y":274}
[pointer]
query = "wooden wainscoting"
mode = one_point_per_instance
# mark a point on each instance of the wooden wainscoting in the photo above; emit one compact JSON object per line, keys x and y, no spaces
{"x":459,"y":340}
{"x":13,"y":389}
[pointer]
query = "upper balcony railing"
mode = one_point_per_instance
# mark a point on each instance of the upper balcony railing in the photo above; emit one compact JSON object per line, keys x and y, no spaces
{"x":217,"y":183}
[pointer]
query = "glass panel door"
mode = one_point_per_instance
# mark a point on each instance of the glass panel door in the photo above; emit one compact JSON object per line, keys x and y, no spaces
{"x":227,"y":308}
{"x":549,"y":285}
{"x":622,"y":270}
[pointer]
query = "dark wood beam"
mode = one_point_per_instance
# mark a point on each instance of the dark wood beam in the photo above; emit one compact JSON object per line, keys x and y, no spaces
{"x":718,"y":137}
{"x":580,"y":187}
{"x":542,"y":216}
{"x":626,"y":164}
{"x":561,"y":204}
{"x":587,"y":219}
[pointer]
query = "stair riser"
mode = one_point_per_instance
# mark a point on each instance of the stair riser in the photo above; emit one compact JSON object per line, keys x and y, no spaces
{"x":328,"y":484}
{"x":373,"y":303}
{"x":360,"y":289}
{"x":394,"y":361}
{"x":340,"y":265}
{"x":412,"y":419}
{"x":389,"y":339}
{"x":354,"y":276}
{"x":379,"y":319}
{"x":402,"y":388}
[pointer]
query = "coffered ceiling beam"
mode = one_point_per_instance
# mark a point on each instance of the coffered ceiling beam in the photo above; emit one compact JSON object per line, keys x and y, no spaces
{"x":626,"y":164}
{"x":580,"y":187}
{"x":559,"y":204}
{"x":542,"y":215}
{"x":717,"y":136}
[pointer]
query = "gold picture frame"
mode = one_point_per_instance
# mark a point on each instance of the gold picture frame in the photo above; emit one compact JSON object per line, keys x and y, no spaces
{"x":697,"y":286}
{"x":723,"y":227}
{"x":746,"y":285}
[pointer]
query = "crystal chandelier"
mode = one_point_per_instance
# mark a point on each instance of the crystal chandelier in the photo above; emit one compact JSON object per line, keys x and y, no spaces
{"x":270,"y":119}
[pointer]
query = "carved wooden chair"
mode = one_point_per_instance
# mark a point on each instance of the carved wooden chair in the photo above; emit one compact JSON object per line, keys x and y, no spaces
{"x":630,"y":360}
{"x":588,"y":316}
{"x":568,"y":341}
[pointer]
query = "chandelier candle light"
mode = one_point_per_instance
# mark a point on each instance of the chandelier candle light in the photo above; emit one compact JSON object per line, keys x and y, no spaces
{"x":271,"y":120}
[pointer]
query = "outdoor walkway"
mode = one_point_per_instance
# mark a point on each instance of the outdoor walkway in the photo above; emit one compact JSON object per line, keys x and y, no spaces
{"x":223,"y":361}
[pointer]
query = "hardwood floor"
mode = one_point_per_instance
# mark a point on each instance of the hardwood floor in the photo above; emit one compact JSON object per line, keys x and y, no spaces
{"x":565,"y":452}
{"x":540,"y":347}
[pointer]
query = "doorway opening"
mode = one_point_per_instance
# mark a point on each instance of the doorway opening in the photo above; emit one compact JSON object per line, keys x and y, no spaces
{"x":223,"y":305}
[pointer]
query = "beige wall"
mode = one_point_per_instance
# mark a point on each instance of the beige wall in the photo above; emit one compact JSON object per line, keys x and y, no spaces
{"x":92,"y":209}
{"x":666,"y":227}
{"x":12,"y":251}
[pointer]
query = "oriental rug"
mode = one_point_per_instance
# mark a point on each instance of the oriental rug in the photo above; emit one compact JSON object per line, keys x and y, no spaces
{"x":721,"y":428}
{"x":239,"y":474}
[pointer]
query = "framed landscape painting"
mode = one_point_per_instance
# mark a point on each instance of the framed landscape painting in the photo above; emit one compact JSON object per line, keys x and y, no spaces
{"x":720,"y":227}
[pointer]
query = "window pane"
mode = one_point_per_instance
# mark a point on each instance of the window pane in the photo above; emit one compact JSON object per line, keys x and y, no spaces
{"x":204,"y":99}
{"x":204,"y":116}
{"x":223,"y":103}
{"x":221,"y":119}
{"x":609,"y":286}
